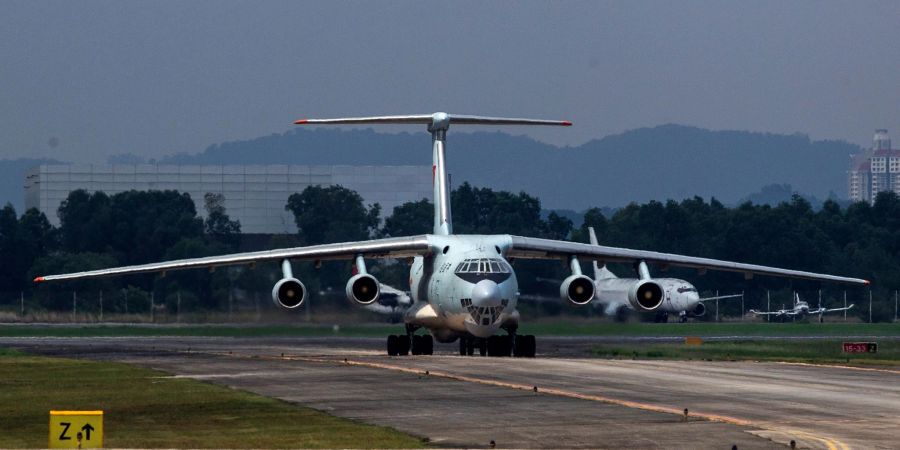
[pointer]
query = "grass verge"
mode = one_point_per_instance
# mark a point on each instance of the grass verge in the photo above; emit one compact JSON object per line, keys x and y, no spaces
{"x":147,"y":409}
{"x":805,"y":351}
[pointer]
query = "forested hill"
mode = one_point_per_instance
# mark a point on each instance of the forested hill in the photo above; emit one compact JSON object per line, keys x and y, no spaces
{"x":667,"y":161}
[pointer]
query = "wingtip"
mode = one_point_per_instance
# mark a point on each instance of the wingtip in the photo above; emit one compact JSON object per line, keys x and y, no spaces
{"x":566,"y":123}
{"x":301,"y":122}
{"x":39,"y":279}
{"x":867,"y":282}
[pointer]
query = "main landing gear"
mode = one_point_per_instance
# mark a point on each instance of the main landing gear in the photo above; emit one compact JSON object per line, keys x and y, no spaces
{"x":523,"y":346}
{"x":404,"y":344}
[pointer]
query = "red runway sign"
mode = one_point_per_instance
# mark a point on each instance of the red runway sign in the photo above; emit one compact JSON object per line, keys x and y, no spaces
{"x":860,"y":347}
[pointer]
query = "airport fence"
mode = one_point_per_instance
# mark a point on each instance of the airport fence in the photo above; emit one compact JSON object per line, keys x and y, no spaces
{"x":135,"y":305}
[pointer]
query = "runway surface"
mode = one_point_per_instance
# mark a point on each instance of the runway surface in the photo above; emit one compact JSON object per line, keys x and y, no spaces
{"x":579,"y":403}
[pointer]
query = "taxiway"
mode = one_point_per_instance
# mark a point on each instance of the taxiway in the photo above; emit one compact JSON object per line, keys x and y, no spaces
{"x":578,"y":403}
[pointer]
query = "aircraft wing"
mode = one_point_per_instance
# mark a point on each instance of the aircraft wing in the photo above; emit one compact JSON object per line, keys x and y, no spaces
{"x":721,"y":297}
{"x":839,"y":309}
{"x":402,"y":247}
{"x":767,"y":313}
{"x":524,"y":247}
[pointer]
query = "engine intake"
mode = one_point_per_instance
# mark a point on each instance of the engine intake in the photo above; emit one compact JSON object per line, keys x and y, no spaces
{"x":646,"y":295}
{"x":363,"y":289}
{"x":699,"y":310}
{"x":577,"y":289}
{"x":289,"y":293}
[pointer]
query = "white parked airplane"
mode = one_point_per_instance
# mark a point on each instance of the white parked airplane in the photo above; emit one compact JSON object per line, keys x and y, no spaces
{"x":679,"y":296}
{"x":800,"y":310}
{"x":391,"y":301}
{"x":463,"y":286}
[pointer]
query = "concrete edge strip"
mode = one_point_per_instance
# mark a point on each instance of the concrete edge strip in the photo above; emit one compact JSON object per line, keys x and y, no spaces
{"x":838,"y":366}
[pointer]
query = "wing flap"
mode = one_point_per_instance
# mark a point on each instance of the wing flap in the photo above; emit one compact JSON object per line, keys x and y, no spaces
{"x":535,"y":248}
{"x":403,"y":247}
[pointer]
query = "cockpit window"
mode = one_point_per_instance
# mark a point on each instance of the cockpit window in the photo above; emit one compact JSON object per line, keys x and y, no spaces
{"x":687,"y":289}
{"x":483,"y":265}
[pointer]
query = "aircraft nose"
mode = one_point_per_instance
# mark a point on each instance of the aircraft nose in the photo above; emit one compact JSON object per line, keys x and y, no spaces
{"x":486,"y":293}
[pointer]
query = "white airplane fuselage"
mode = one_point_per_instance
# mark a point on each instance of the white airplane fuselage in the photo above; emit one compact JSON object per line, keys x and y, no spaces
{"x":679,"y":296}
{"x":467,"y":287}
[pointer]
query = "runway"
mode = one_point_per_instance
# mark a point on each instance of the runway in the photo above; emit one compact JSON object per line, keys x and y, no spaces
{"x":580,"y":402}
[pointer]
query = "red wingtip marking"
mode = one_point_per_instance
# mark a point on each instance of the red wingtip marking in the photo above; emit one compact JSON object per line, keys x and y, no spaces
{"x":301,"y":121}
{"x":566,"y":123}
{"x":867,"y":282}
{"x":38,"y":279}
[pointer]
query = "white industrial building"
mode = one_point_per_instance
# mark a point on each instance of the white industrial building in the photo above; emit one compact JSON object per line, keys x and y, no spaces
{"x":254,"y":194}
{"x":875,"y":170}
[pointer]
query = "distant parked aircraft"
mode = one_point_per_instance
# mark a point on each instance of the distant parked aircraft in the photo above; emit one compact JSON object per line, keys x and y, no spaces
{"x":800,"y":310}
{"x":616,"y":294}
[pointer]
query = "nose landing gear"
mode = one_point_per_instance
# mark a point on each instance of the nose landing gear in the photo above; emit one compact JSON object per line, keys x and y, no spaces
{"x":522,"y":346}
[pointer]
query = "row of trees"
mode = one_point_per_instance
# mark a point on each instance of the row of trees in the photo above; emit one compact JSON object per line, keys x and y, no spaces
{"x":134,"y":227}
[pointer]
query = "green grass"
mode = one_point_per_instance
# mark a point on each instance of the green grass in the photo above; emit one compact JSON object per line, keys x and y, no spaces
{"x":147,"y":409}
{"x":585,"y":328}
{"x":303,"y":330}
{"x":806,"y":351}
{"x":574,"y":327}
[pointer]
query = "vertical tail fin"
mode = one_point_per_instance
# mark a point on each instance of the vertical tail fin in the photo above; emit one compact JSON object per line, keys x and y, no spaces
{"x":438,"y":123}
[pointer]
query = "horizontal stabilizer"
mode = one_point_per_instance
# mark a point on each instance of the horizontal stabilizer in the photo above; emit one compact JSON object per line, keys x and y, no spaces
{"x":437,"y":120}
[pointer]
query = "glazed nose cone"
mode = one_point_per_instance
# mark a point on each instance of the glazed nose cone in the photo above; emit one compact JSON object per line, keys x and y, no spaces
{"x":486,"y":293}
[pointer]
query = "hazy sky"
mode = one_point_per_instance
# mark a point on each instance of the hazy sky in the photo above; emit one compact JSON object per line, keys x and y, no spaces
{"x":84,"y":80}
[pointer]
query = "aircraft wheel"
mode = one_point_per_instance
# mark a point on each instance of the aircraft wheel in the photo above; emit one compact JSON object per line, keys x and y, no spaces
{"x":392,"y":345}
{"x":403,"y":345}
{"x":470,"y":346}
{"x":492,"y":346}
{"x":683,"y":319}
{"x":520,"y":347}
{"x":416,"y":345}
{"x":482,"y":347}
{"x":428,"y":347}
{"x":463,"y":346}
{"x":506,"y":345}
{"x":530,"y":346}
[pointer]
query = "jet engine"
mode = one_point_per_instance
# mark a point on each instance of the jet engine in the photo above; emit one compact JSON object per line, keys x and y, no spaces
{"x":698,"y":311}
{"x":578,"y":289}
{"x":289,"y":293}
{"x":645,"y":295}
{"x":363,"y":289}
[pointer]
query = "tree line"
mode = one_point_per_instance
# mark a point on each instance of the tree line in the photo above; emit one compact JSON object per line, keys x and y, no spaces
{"x":99,"y":230}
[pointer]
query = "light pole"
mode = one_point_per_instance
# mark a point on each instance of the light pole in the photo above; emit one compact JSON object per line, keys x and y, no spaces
{"x":717,"y":305}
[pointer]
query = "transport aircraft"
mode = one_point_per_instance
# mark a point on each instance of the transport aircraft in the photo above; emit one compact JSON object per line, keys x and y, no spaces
{"x":799,"y":311}
{"x":679,"y":296}
{"x":463,"y":286}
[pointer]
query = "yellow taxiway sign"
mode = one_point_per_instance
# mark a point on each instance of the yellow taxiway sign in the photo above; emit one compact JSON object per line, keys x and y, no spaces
{"x":76,"y":429}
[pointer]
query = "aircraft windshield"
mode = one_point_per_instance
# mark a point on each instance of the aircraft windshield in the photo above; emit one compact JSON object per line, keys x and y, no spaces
{"x":483,"y":265}
{"x":477,"y":269}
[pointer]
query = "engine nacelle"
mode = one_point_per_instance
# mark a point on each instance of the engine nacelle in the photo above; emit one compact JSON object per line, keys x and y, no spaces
{"x":699,"y":310}
{"x":363,"y":289}
{"x":646,"y":295}
{"x":289,"y":293}
{"x":577,"y":289}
